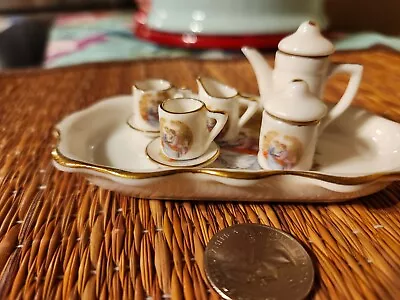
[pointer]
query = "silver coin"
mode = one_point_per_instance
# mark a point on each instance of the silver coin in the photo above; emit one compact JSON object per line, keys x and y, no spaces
{"x":252,"y":261}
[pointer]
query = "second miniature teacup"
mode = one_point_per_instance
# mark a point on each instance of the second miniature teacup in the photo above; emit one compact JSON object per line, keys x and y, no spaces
{"x":147,"y":96}
{"x":183,"y":128}
{"x":220,"y":97}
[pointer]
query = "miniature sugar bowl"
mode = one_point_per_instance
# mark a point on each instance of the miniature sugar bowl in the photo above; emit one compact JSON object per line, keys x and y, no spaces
{"x":291,"y":124}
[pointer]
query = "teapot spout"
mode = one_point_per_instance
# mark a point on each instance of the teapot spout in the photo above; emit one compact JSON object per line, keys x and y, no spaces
{"x":262,"y":70}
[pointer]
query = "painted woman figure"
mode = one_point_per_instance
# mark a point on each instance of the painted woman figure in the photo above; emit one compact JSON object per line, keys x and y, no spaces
{"x":281,"y":153}
{"x":176,"y":138}
{"x":149,"y":106}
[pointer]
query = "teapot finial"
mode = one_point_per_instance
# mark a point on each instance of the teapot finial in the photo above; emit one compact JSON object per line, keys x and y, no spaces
{"x":307,"y":41}
{"x":262,"y":70}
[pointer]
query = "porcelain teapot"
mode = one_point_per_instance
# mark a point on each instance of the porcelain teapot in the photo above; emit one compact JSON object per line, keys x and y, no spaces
{"x":303,"y":55}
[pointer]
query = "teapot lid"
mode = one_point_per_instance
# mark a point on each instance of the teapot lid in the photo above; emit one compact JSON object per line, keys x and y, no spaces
{"x":296,"y":103}
{"x":307,"y":41}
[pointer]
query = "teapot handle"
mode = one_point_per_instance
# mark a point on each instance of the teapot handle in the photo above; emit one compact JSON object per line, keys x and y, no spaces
{"x":355,"y":72}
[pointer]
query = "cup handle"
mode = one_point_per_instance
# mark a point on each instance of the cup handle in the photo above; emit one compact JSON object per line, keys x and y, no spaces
{"x":221,"y":119}
{"x":252,"y":107}
{"x":355,"y":72}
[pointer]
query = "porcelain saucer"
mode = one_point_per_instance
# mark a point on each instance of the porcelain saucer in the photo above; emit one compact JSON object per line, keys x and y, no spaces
{"x":131,"y":123}
{"x":154,"y":153}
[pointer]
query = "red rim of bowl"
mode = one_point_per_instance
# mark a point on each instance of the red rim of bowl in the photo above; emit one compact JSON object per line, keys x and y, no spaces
{"x":191,"y":40}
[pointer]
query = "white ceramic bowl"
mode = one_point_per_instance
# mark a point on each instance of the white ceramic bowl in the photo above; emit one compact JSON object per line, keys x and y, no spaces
{"x":233,"y":17}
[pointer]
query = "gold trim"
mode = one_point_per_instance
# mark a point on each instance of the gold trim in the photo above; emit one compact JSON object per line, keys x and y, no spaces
{"x":67,"y":162}
{"x":182,"y":113}
{"x":141,"y":130}
{"x":204,"y":163}
{"x":296,"y":123}
{"x":218,"y":112}
{"x":200,"y":79}
{"x":57,"y":135}
{"x":171,"y":86}
{"x":305,"y":56}
{"x":249,"y":98}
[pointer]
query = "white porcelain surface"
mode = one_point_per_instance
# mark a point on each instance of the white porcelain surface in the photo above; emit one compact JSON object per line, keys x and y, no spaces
{"x":357,"y":155}
{"x":307,"y":41}
{"x":296,"y":103}
{"x":233,"y":17}
{"x":313,"y":70}
{"x":151,"y":133}
{"x":154,"y":152}
{"x":220,"y":97}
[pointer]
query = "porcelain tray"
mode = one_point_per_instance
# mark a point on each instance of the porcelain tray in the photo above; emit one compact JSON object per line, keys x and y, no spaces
{"x":357,"y":155}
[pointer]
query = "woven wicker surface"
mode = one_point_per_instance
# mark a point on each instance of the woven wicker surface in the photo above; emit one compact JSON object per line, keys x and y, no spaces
{"x":62,"y":237}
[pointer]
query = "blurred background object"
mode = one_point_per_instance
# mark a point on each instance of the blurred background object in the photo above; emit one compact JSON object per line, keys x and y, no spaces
{"x":25,"y":25}
{"x":23,"y":40}
{"x":53,"y":33}
{"x":13,"y":6}
{"x":364,"y":15}
{"x":225,"y":24}
{"x":238,"y":17}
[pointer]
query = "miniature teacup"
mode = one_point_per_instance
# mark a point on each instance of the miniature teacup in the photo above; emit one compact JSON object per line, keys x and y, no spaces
{"x":147,"y":96}
{"x":183,"y":128}
{"x":222,"y":98}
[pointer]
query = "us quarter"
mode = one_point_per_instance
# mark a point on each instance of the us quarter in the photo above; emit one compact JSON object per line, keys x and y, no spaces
{"x":252,"y":261}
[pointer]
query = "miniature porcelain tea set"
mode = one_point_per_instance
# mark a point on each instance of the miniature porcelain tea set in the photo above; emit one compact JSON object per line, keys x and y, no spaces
{"x":293,"y":116}
{"x":166,"y":135}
